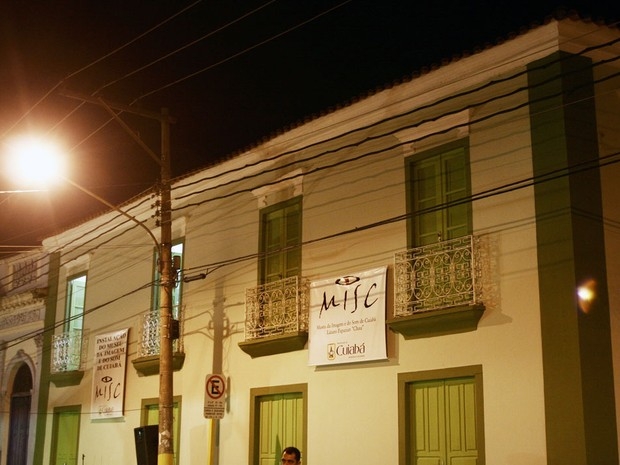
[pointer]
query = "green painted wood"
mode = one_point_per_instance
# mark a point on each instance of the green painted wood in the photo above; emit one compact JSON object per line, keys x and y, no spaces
{"x":66,"y":433}
{"x":438,"y":182}
{"x":443,"y":413}
{"x":280,"y":240}
{"x":281,"y":420}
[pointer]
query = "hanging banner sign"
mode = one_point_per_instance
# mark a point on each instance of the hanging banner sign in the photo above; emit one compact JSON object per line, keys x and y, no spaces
{"x":109,"y":375}
{"x":347,"y":318}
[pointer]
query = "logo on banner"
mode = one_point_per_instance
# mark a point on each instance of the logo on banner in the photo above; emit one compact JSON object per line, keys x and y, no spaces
{"x":347,"y":318}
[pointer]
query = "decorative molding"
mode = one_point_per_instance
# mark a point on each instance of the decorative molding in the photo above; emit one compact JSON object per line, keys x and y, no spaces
{"x":288,"y":186}
{"x":23,"y":299}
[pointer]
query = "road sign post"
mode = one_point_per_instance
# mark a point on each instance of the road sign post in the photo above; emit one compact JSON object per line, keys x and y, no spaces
{"x":215,"y":398}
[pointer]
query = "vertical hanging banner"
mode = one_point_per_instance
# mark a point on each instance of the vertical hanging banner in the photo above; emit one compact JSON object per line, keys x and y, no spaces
{"x":347,"y":318}
{"x":109,"y":375}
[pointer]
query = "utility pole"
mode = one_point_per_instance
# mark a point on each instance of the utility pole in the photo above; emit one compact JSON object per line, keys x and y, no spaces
{"x":165,"y":452}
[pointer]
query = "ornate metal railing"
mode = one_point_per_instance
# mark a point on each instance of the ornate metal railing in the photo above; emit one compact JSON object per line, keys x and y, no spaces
{"x":440,"y":275}
{"x":67,"y":351}
{"x":279,"y":307}
{"x":149,"y":343}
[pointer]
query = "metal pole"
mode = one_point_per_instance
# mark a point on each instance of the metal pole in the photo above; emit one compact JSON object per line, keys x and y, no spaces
{"x":165,"y":449}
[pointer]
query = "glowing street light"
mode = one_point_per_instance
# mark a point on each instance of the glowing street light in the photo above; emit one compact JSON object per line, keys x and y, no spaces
{"x":27,"y":156}
{"x":34,"y":162}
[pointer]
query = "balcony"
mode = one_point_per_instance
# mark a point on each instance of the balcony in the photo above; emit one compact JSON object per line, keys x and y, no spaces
{"x":66,"y":366}
{"x":147,"y":362}
{"x":276,"y":317}
{"x":438,"y":289}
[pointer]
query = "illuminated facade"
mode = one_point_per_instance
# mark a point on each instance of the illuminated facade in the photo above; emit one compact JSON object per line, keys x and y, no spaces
{"x":486,"y":188}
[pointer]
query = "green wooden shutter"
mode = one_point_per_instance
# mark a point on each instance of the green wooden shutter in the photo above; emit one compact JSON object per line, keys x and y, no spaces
{"x":76,"y":297}
{"x":66,"y":434}
{"x":280,"y":241}
{"x":455,"y":190}
{"x":443,"y":416}
{"x":281,"y":424}
{"x":461,"y":443}
{"x":429,"y":422}
{"x":427,"y":195}
{"x":293,"y":240}
{"x":439,"y":184}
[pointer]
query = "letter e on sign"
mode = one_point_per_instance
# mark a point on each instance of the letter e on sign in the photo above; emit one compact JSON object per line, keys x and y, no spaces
{"x":215,"y":390}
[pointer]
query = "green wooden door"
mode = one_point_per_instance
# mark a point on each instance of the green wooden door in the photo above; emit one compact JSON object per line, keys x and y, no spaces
{"x":281,"y":425}
{"x":443,"y":416}
{"x":66,"y":435}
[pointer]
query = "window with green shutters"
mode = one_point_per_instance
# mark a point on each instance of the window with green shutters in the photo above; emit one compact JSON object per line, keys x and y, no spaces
{"x":280,"y":241}
{"x":177,"y":251}
{"x":439,"y":189}
{"x":76,"y":297}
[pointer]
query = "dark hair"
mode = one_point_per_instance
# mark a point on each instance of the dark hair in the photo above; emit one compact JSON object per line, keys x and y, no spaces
{"x":292,"y":450}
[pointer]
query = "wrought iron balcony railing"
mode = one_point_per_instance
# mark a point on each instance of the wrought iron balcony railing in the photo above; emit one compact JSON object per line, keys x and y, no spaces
{"x":279,"y":307}
{"x":149,"y":343}
{"x":67,"y":351}
{"x":441,"y":275}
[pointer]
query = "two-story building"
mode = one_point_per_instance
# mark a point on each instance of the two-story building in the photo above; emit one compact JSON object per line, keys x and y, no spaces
{"x":423,"y":276}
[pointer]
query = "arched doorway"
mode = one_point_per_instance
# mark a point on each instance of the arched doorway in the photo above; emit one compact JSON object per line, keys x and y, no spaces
{"x":19,"y":419}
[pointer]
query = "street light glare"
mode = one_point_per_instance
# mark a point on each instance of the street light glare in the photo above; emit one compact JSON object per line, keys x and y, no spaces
{"x":35,"y":162}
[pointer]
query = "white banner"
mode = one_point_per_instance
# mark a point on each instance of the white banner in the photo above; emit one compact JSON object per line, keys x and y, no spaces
{"x":347,"y":318}
{"x":109,"y":375}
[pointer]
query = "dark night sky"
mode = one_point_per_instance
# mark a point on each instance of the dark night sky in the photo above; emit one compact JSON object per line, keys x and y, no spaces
{"x":230,"y":72}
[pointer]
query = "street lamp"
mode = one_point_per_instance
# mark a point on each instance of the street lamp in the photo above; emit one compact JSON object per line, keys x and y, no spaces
{"x":34,"y":162}
{"x":26,"y":148}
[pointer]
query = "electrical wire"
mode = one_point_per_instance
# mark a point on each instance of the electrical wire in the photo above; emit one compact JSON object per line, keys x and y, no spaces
{"x":374,"y":153}
{"x":236,"y":259}
{"x":243,"y":52}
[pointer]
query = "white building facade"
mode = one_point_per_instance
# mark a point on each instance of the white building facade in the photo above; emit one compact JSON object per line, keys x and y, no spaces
{"x":395,"y":281}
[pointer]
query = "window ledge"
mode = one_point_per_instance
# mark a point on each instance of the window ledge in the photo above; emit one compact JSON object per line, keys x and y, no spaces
{"x":272,"y":345}
{"x":67,"y":378}
{"x":451,"y":320}
{"x":147,"y":366}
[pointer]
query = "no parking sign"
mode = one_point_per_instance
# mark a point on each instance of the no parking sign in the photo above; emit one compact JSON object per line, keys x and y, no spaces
{"x":215,"y":399}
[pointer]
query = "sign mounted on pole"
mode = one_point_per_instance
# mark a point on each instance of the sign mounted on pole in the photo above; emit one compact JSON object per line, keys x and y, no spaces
{"x":215,"y":398}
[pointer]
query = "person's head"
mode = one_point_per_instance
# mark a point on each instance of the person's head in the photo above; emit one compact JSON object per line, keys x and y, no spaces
{"x":291,"y":456}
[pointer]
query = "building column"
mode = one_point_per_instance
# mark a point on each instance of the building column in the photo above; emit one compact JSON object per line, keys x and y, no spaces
{"x":576,"y":341}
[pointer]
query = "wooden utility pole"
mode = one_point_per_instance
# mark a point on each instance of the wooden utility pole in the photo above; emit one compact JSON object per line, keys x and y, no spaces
{"x":165,"y":454}
{"x":165,"y":450}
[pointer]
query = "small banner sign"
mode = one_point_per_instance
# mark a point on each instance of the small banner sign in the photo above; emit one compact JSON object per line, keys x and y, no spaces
{"x":347,"y":318}
{"x":215,"y":398}
{"x":109,"y":375}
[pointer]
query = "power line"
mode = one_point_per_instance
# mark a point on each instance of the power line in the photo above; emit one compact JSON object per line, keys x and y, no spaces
{"x":358,"y":143}
{"x":331,"y":166}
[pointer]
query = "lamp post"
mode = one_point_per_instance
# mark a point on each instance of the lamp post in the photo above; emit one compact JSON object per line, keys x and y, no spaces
{"x":164,"y":246}
{"x":165,"y":452}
